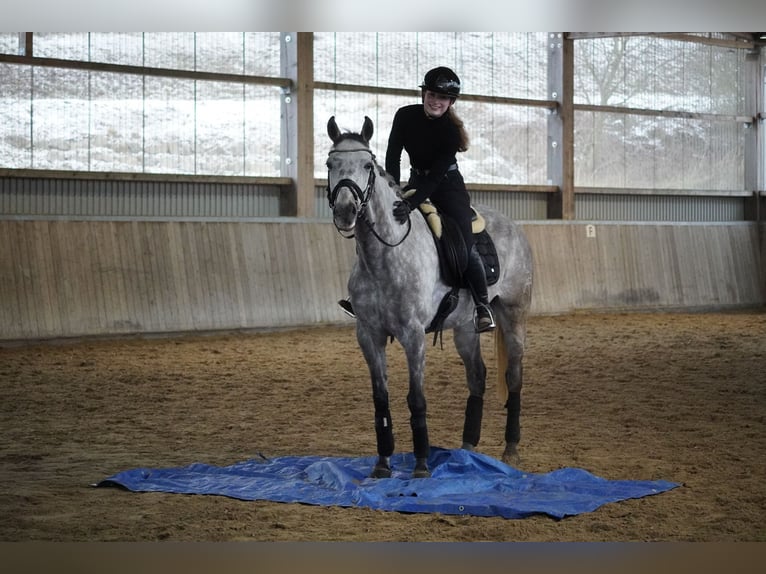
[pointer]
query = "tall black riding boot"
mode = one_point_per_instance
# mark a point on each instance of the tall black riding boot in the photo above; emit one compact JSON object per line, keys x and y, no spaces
{"x":477,"y":281}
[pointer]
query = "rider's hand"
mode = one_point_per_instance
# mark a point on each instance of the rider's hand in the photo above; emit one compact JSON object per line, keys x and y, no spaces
{"x":402,"y":211}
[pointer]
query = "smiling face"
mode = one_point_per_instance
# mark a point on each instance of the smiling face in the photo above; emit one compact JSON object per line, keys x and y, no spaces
{"x":436,"y":105}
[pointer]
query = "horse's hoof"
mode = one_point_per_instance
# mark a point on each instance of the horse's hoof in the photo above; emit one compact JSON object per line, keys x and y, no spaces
{"x":468,"y":446}
{"x":380,"y":472}
{"x":421,"y":469}
{"x":511,"y":456}
{"x":421,"y":473}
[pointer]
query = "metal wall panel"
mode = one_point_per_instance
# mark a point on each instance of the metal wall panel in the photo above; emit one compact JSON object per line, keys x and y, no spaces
{"x":103,"y":198}
{"x":322,"y":208}
{"x":104,"y":277}
{"x":601,"y":207}
{"x":519,"y":206}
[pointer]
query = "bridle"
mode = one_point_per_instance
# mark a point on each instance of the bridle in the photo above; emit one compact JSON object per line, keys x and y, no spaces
{"x":361,"y":197}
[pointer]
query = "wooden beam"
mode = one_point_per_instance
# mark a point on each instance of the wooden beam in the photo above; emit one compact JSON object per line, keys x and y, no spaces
{"x":663,"y":191}
{"x":146,"y":177}
{"x":333,"y":86}
{"x":337,"y":87}
{"x":142,"y":70}
{"x":306,"y":203}
{"x":512,"y":188}
{"x":28,"y":44}
{"x":663,"y":113}
{"x":737,"y":40}
{"x":721,"y":42}
{"x":561,"y":126}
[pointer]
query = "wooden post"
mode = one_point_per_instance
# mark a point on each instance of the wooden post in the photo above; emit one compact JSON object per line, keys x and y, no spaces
{"x":561,"y":126}
{"x":297,"y":140}
{"x":25,"y":44}
{"x":753,"y":135}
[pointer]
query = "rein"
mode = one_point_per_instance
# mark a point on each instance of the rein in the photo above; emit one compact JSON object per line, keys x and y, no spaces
{"x":362,"y":198}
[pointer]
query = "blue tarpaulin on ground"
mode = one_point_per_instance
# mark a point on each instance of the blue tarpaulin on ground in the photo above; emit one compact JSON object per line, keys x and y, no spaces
{"x":462,"y":482}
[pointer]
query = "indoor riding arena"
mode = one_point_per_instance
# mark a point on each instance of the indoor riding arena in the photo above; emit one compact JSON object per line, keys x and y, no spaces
{"x":170,"y":272}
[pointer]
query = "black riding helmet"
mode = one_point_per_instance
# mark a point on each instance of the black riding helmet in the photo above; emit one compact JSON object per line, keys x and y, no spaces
{"x":442,"y":80}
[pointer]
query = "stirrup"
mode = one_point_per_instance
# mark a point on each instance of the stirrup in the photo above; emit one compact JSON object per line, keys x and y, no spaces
{"x":345,"y":304}
{"x":482,"y":318}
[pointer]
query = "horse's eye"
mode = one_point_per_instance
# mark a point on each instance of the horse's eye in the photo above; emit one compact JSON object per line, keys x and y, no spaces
{"x":368,"y":166}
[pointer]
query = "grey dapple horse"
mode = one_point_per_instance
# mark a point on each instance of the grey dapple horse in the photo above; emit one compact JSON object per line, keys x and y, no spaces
{"x":396,"y":288}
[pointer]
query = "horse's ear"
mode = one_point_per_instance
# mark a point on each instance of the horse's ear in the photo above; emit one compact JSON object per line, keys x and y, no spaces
{"x":332,"y":129}
{"x":367,"y":129}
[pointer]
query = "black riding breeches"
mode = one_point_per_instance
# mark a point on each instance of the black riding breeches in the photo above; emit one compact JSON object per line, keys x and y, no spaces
{"x":452,"y":199}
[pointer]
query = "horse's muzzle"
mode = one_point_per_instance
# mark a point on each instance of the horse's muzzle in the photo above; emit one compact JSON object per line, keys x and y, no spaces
{"x":344,"y":216}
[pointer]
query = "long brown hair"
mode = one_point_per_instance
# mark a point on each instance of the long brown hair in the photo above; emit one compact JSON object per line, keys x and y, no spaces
{"x":455,"y":119}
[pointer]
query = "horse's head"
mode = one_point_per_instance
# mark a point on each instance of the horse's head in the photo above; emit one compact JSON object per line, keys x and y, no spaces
{"x":350,"y":174}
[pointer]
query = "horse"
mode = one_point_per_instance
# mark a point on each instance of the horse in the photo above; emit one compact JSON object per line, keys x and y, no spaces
{"x":396,"y":287}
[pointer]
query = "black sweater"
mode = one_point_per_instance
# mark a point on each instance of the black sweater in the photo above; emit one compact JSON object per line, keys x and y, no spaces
{"x":430,"y":143}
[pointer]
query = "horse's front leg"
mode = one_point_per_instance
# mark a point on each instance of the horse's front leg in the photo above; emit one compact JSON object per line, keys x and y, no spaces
{"x":468,"y":345}
{"x":513,"y":321}
{"x":374,"y":350}
{"x":415,"y":350}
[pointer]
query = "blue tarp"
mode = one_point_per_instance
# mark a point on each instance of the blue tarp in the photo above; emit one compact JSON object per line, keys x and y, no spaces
{"x":462,"y":482}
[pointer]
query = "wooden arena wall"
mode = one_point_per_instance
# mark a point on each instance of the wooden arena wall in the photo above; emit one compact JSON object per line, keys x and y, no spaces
{"x":100,"y":278}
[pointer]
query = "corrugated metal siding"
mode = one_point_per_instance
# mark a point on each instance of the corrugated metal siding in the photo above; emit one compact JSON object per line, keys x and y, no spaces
{"x":322,"y":208}
{"x":45,"y":197}
{"x":658,"y":208}
{"x":76,"y":278}
{"x":519,"y":206}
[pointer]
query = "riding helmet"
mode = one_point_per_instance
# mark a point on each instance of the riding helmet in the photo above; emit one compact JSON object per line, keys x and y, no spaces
{"x":442,"y":80}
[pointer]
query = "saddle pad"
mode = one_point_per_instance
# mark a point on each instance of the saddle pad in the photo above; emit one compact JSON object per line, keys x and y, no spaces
{"x":484,"y":244}
{"x":486,"y":248}
{"x":433,"y":218}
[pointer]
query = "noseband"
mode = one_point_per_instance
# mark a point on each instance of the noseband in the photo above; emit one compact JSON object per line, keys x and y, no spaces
{"x":361,"y":197}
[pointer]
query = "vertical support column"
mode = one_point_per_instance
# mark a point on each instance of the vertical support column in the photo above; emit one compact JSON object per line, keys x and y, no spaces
{"x":25,"y":44}
{"x":297,"y":119}
{"x":755,"y":154}
{"x":561,"y":126}
{"x":753,"y":134}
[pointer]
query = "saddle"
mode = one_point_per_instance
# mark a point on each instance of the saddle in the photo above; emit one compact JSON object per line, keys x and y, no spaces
{"x":453,"y":258}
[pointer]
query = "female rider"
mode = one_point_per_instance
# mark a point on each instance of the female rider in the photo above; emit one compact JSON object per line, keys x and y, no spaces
{"x":432,"y":135}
